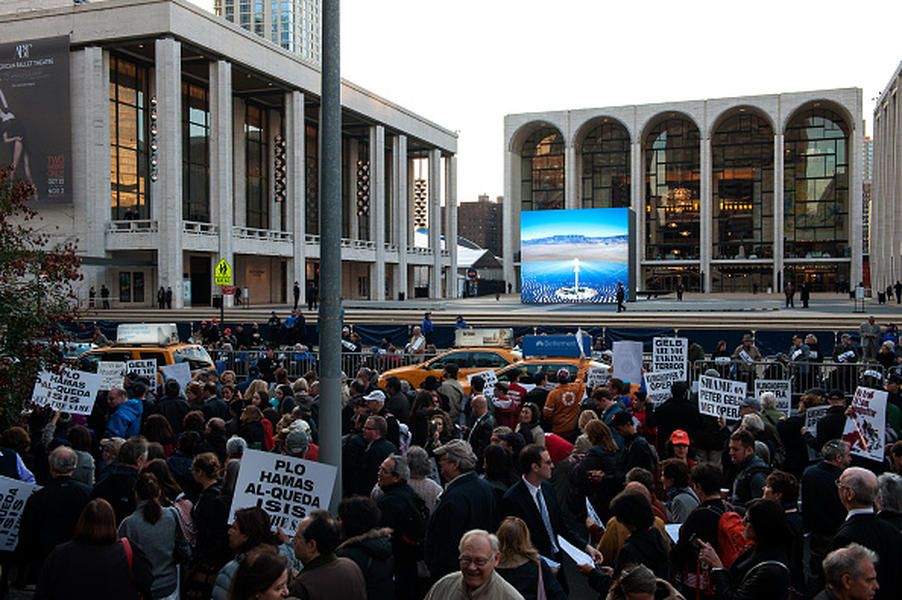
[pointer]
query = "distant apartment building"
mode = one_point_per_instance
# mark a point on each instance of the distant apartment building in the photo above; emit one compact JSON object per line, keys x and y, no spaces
{"x":292,"y":24}
{"x":480,"y":222}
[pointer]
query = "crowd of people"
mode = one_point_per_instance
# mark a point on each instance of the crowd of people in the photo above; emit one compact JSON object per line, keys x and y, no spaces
{"x":455,"y":493}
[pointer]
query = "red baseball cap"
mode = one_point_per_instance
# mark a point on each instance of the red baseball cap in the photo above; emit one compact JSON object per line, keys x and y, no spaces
{"x":679,"y":437}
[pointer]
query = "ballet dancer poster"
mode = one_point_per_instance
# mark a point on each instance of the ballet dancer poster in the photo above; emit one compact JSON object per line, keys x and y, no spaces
{"x":35,"y":115}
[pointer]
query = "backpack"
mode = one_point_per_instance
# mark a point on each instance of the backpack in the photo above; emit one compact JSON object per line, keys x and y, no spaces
{"x":412,"y":531}
{"x":731,"y":541}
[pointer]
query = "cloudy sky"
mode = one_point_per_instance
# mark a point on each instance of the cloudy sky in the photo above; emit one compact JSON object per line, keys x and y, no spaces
{"x":467,"y":63}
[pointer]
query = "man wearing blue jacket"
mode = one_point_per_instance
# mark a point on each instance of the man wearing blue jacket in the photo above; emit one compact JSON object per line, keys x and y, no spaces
{"x":125,"y":420}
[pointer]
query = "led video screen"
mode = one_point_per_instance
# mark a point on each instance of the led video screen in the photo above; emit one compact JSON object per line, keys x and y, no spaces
{"x":575,"y":256}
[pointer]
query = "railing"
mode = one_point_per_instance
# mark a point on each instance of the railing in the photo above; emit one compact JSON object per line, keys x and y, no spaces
{"x":200,"y":228}
{"x":268,"y":235}
{"x":311,"y":238}
{"x":133,"y":226}
{"x":358,"y":244}
{"x":299,"y":363}
{"x":420,"y":251}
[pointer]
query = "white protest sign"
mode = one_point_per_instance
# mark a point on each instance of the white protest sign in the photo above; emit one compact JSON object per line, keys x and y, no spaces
{"x":813,"y":415}
{"x":782,"y":390}
{"x":13,"y":494}
{"x":287,"y":488}
{"x":865,"y":428}
{"x":670,"y":354}
{"x":143,"y":368}
{"x":628,"y":361}
{"x":112,"y":375}
{"x":597,"y":376}
{"x":181,"y":372}
{"x":71,"y":391}
{"x":720,"y":397}
{"x":490,"y":380}
{"x":657,"y":385}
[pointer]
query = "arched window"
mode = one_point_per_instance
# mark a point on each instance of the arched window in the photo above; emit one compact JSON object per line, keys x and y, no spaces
{"x":542,"y":169}
{"x":605,"y":159}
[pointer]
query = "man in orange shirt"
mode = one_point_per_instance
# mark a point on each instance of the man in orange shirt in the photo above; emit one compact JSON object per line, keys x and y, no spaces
{"x":562,"y":409}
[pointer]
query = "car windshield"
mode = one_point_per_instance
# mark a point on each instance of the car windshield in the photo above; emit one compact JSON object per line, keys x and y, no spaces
{"x":195,"y":356}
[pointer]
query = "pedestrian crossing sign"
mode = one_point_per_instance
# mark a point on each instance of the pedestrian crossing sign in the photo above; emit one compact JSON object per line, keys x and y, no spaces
{"x":223,"y":274}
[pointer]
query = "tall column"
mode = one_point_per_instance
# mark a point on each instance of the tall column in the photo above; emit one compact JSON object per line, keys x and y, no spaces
{"x":221,"y":186}
{"x":856,"y":189}
{"x":511,"y":200}
{"x":166,"y":193}
{"x":571,"y":177}
{"x":239,"y":164}
{"x":779,"y":204}
{"x":706,"y":215}
{"x":401,"y":204}
{"x":353,"y":219}
{"x":377,"y":210}
{"x":435,"y":221}
{"x":274,"y":128}
{"x":451,"y":224}
{"x":637,"y":187}
{"x":295,"y":140}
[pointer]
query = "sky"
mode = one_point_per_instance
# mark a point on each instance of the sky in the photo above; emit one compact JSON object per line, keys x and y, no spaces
{"x":465,"y":64}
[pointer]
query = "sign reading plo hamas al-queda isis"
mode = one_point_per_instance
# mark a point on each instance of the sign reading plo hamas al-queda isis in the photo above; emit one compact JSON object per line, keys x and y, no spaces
{"x":69,"y":391}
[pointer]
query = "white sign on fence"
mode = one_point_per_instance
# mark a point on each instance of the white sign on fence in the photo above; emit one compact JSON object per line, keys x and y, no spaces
{"x":143,"y":368}
{"x":597,"y":376}
{"x":813,"y":415}
{"x":720,"y":397}
{"x":657,"y":385}
{"x":671,"y":354}
{"x":781,"y":388}
{"x":287,"y":488}
{"x":628,"y":361}
{"x":70,"y":391}
{"x":13,"y":494}
{"x":181,"y":372}
{"x":490,"y":380}
{"x":865,"y":428}
{"x":112,"y":375}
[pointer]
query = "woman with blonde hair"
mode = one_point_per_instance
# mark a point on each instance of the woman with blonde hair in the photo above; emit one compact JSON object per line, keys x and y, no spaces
{"x":257,"y":386}
{"x":598,"y":473}
{"x":582,"y":444}
{"x":521,"y":566}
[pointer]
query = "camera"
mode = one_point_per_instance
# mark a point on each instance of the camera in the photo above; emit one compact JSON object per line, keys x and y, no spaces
{"x":696,"y":543}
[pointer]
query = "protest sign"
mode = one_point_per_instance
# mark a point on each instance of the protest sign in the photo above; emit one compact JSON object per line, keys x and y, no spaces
{"x":597,"y":376}
{"x":865,"y":428}
{"x":782,"y":390}
{"x":671,"y":354}
{"x":490,"y":380}
{"x":13,"y":494}
{"x":143,"y":368}
{"x":813,"y":415}
{"x":287,"y":488}
{"x":112,"y":375}
{"x":720,"y":397}
{"x":70,"y":391}
{"x":181,"y":372}
{"x":628,"y":361}
{"x":657,"y":385}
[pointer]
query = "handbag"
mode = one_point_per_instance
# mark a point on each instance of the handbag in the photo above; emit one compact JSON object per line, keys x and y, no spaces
{"x":130,"y":559}
{"x":540,"y":592}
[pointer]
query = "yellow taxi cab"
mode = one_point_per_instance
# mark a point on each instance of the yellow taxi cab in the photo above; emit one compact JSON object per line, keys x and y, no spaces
{"x":159,"y":341}
{"x":578,"y":367}
{"x":468,"y":361}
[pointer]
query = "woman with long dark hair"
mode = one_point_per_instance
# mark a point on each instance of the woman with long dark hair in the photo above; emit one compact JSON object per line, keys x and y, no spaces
{"x":95,"y":564}
{"x":261,"y":576}
{"x":598,"y":474}
{"x":156,"y":529}
{"x":529,"y":425}
{"x":211,"y":514}
{"x":520,"y":564}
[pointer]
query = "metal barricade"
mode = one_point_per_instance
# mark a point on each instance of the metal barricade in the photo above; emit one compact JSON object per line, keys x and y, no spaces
{"x":299,"y":363}
{"x":832,"y":376}
{"x":740,"y":370}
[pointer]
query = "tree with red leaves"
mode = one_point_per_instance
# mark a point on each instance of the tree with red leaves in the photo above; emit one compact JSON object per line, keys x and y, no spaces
{"x":36,"y":296}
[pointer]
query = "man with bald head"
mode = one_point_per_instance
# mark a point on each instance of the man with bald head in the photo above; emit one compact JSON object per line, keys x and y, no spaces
{"x":857,"y":489}
{"x":50,"y":514}
{"x":477,"y":577}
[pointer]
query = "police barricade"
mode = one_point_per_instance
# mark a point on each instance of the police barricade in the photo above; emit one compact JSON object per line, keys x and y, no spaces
{"x":831,"y":376}
{"x":740,"y":370}
{"x":299,"y":363}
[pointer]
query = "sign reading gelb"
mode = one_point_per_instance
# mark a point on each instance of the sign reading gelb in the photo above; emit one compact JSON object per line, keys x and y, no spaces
{"x":671,"y":354}
{"x":223,"y":273}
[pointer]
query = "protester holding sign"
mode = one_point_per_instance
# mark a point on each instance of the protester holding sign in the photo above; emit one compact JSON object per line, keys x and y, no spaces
{"x":125,"y":420}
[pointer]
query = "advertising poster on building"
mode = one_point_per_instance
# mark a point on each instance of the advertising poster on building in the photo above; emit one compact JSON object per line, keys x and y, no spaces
{"x":865,"y":428}
{"x":671,"y":354}
{"x":657,"y":385}
{"x":720,"y":397}
{"x":782,"y":389}
{"x":287,"y":488}
{"x":574,"y":256}
{"x":70,"y":391}
{"x":13,"y":494}
{"x":35,"y":115}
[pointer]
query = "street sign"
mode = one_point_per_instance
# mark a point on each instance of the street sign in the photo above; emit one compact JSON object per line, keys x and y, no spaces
{"x":229,"y":290}
{"x":223,"y":273}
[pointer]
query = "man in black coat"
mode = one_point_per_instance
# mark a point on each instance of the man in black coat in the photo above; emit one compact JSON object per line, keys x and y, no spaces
{"x":118,"y":488}
{"x":635,"y":451}
{"x":831,"y":425}
{"x":173,"y":406}
{"x":468,"y":502}
{"x":857,"y":492}
{"x":481,"y":425}
{"x":533,"y":500}
{"x":50,"y":514}
{"x":822,"y":511}
{"x":377,"y":450}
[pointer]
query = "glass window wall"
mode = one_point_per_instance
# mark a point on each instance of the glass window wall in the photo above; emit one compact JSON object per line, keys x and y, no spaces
{"x":257,"y":158}
{"x":605,"y":158}
{"x":129,"y":159}
{"x":195,"y":153}
{"x":542,"y":181}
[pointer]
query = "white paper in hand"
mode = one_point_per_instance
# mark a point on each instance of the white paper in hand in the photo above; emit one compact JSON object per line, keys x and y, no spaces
{"x":590,"y":510}
{"x":578,"y":556}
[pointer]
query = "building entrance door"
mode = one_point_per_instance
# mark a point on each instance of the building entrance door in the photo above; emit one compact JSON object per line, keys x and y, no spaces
{"x":200,"y":280}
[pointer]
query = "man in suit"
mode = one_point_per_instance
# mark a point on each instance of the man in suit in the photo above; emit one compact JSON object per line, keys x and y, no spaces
{"x":822,"y":511}
{"x":481,"y":426}
{"x":378,"y":448}
{"x":533,"y":500}
{"x":857,"y":492}
{"x":468,"y":502}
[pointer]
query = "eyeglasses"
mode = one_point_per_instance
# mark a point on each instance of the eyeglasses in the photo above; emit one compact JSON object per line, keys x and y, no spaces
{"x":479,"y":562}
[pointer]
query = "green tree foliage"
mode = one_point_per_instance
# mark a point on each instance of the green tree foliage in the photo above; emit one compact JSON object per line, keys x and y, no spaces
{"x":36,"y":296}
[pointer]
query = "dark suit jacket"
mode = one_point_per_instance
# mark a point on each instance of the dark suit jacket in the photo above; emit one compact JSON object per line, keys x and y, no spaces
{"x":878,"y":535}
{"x":481,"y":434}
{"x":518,"y":502}
{"x":467,"y":503}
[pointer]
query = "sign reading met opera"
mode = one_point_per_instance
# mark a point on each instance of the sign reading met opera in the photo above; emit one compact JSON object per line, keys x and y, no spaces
{"x":34,"y":115}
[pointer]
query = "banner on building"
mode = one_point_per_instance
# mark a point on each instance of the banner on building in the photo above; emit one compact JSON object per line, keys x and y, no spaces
{"x":69,"y":391}
{"x":287,"y":488}
{"x":720,"y":397}
{"x":13,"y":494}
{"x":782,"y":390}
{"x":35,"y":115}
{"x":671,"y":354}
{"x":865,"y":428}
{"x":657,"y":385}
